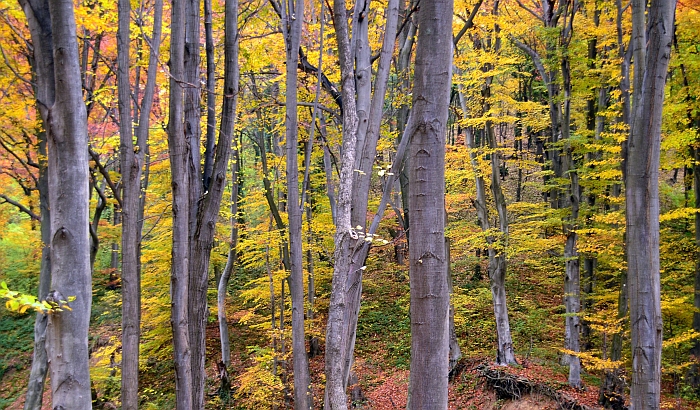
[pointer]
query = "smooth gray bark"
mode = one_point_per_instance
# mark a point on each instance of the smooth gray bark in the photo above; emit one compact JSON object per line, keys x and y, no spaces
{"x":497,"y":266}
{"x":345,"y":236}
{"x":562,"y":162}
{"x":429,"y":286}
{"x":67,"y":331}
{"x":651,"y":57}
{"x":38,"y":19}
{"x":292,"y":19}
{"x":222,"y":286}
{"x":131,"y":188}
{"x":231,"y":79}
{"x":132,"y":165}
{"x":362,"y":119}
{"x":177,"y":148}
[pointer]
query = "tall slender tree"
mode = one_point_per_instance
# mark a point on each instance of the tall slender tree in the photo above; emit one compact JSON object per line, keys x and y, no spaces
{"x":177,"y":147}
{"x":292,"y":19}
{"x":38,"y":19}
{"x":132,"y":163}
{"x":430,"y":296}
{"x":61,"y":106}
{"x":228,"y":116}
{"x":651,"y":54}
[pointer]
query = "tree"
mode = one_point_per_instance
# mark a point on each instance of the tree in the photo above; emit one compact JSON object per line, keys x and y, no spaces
{"x":61,"y":105}
{"x":231,"y":78}
{"x":44,"y":89}
{"x":562,"y":156}
{"x":292,"y":12}
{"x":497,"y":266}
{"x":429,"y":286}
{"x":132,"y":164}
{"x":651,"y":54}
{"x":177,"y":146}
{"x":362,"y":117}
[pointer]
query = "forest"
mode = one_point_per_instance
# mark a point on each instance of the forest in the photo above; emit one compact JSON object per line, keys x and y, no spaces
{"x":290,"y":204}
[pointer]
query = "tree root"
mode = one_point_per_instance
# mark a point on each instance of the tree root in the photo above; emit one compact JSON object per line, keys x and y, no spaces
{"x":513,"y":387}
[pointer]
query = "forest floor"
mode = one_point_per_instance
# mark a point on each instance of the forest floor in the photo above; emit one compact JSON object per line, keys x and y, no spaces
{"x":386,"y":388}
{"x":382,"y":354}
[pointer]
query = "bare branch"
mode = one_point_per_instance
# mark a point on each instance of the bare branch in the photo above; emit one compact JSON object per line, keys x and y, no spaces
{"x":468,"y":23}
{"x":22,"y":208}
{"x":96,"y":158}
{"x":529,"y":10}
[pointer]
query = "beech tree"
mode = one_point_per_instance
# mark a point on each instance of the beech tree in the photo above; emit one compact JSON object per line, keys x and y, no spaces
{"x":651,"y":54}
{"x":430,"y":297}
{"x":228,"y":115}
{"x":497,"y":267}
{"x":292,"y":12}
{"x":38,"y":19}
{"x":132,"y":164}
{"x":559,"y":15}
{"x":177,"y":146}
{"x":60,"y":102}
{"x":362,"y":116}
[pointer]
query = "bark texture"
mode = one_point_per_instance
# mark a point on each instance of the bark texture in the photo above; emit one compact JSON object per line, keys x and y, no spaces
{"x":427,"y":256}
{"x":178,"y":149}
{"x":132,"y":164}
{"x":67,"y":331}
{"x":345,"y":235}
{"x":292,"y":21}
{"x":38,"y":19}
{"x":231,"y":78}
{"x":651,"y":58}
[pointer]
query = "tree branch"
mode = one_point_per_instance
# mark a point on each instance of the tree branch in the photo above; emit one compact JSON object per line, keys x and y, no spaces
{"x":468,"y":23}
{"x":96,"y":157}
{"x":19,"y":206}
{"x":529,"y":10}
{"x":534,"y":56}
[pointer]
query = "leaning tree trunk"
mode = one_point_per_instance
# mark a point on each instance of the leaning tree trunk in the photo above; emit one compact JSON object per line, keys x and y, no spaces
{"x":497,"y":260}
{"x":430,"y":298}
{"x":66,"y":125}
{"x":369,"y":111}
{"x":505,"y":353}
{"x":231,"y":78}
{"x":651,"y":58}
{"x":43,"y":72}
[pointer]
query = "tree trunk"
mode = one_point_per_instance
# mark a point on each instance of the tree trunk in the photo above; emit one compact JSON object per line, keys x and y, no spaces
{"x":37,"y":14}
{"x":497,"y":267}
{"x":177,"y":147}
{"x":292,"y":23}
{"x":37,"y":374}
{"x":131,"y":166}
{"x":132,"y":163}
{"x":497,"y":259}
{"x":67,"y":331}
{"x":429,"y":287}
{"x":231,"y":79}
{"x":651,"y":58}
{"x":345,"y":235}
{"x":455,"y":351}
{"x":199,"y":246}
{"x":369,"y":108}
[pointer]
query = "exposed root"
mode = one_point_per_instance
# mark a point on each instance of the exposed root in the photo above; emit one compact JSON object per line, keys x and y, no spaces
{"x":513,"y":387}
